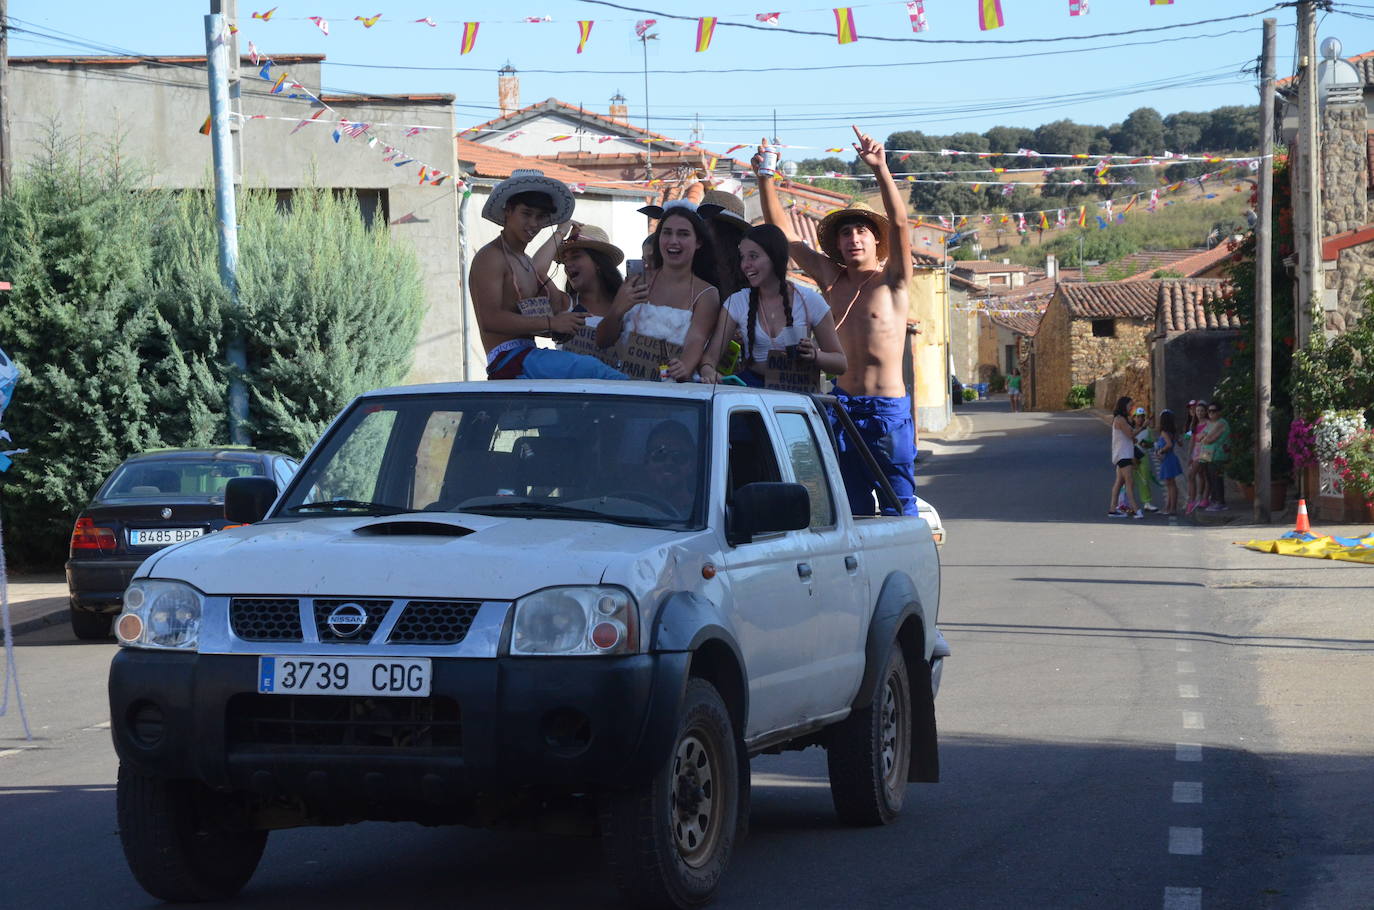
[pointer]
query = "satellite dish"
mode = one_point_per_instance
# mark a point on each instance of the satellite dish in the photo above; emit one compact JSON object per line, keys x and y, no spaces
{"x":1331,"y":48}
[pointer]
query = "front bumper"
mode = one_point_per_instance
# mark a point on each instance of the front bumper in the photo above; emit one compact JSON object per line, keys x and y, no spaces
{"x":490,"y":726}
{"x":97,"y":585}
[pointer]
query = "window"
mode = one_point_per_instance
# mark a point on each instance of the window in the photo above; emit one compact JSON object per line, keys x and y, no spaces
{"x":751,"y":453}
{"x":807,"y":466}
{"x":177,"y":477}
{"x":432,"y":457}
{"x":1104,"y":328}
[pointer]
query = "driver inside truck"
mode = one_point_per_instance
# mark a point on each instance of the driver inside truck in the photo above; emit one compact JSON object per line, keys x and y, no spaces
{"x":670,"y":460}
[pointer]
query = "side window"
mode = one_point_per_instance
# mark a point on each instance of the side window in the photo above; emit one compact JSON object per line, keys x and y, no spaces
{"x":432,"y":457}
{"x":281,"y":473}
{"x":804,"y":452}
{"x":751,"y":453}
{"x":354,"y":471}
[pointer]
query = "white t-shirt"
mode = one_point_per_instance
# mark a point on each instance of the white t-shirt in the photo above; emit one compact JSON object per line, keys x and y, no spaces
{"x":808,"y":309}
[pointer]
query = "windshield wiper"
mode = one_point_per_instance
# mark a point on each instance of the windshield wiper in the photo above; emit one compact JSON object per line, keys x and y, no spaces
{"x":546,"y":507}
{"x":380,"y":508}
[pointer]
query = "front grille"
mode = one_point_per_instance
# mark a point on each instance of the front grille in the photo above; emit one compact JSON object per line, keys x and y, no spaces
{"x":434,"y":622}
{"x":315,"y":722}
{"x":265,"y":618}
{"x":375,"y":610}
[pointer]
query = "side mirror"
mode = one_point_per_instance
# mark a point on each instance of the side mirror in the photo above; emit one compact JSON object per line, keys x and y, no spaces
{"x":767,"y":508}
{"x":247,"y":499}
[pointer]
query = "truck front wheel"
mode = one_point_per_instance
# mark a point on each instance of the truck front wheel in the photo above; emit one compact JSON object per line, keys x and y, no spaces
{"x":179,"y":840}
{"x":869,"y":751}
{"x":669,"y":841}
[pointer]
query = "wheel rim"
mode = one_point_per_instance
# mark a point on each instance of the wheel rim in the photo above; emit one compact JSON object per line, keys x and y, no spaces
{"x":696,"y":803}
{"x":895,"y":736}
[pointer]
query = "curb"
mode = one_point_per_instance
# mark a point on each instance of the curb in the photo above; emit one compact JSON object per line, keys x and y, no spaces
{"x":53,"y":617}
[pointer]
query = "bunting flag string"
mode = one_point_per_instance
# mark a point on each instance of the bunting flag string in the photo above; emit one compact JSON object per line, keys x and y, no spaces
{"x":990,"y":15}
{"x":916,"y":11}
{"x":368,"y":21}
{"x":768,"y":18}
{"x":706,"y":27}
{"x":469,"y":37}
{"x":844,"y":25}
{"x":1078,"y":7}
{"x":584,"y":31}
{"x":320,"y":23}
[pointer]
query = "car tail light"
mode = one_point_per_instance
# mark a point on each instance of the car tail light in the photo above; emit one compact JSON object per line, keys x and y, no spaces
{"x":86,"y":536}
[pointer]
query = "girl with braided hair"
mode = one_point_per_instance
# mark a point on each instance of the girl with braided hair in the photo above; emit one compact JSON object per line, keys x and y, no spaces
{"x":772,"y":314}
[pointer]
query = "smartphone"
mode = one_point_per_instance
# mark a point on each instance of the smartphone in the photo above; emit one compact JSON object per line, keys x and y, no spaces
{"x":634,"y":267}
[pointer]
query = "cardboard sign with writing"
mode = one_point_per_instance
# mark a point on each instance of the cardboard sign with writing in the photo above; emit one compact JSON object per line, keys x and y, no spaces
{"x":791,"y":374}
{"x":583,"y":342}
{"x":535,"y":306}
{"x":641,"y":356}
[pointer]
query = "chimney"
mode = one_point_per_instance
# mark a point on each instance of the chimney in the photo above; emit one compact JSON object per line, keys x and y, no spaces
{"x":508,"y":90}
{"x":620,"y":111}
{"x":1051,"y":267}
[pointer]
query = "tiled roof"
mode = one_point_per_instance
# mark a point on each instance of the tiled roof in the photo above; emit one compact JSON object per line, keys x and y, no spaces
{"x":489,"y":162}
{"x":986,"y":266}
{"x":553,"y":105}
{"x":1141,"y":265}
{"x":1111,"y":299}
{"x":1021,"y":323}
{"x":127,"y":61}
{"x":1183,"y":306}
{"x":432,"y":98}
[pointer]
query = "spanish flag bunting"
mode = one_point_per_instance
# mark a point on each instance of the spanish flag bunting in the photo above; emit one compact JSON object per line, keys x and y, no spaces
{"x":561,"y":138}
{"x":834,"y":150}
{"x":1130,"y":205}
{"x":1082,"y":216}
{"x":1044,"y":222}
{"x":844,"y":25}
{"x":469,"y":37}
{"x":205,"y":127}
{"x":267,"y":16}
{"x":367,"y":21}
{"x":584,"y":31}
{"x":1161,"y":2}
{"x":706,"y":27}
{"x":734,"y":148}
{"x":990,"y":15}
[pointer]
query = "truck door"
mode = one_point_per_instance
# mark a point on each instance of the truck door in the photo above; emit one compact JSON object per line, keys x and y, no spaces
{"x":771,"y":586}
{"x":837,"y":609}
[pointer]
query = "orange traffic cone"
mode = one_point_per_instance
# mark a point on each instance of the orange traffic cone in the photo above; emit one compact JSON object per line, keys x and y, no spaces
{"x":1304,"y":527}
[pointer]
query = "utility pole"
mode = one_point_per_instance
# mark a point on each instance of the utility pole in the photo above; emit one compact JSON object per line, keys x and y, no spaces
{"x":644,"y":40}
{"x":1264,"y":273}
{"x":216,"y":60}
{"x":1309,"y":175}
{"x":4,"y":100}
{"x":230,"y":10}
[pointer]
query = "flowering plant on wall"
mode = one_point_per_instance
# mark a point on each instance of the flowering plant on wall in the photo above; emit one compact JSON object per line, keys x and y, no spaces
{"x":1333,"y":429}
{"x":1355,"y":462}
{"x":1302,"y":443}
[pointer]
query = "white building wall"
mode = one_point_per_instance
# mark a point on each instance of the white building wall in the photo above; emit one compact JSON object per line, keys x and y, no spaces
{"x":534,"y":137}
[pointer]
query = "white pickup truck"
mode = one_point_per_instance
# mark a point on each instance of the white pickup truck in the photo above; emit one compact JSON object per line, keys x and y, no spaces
{"x":581,"y":604}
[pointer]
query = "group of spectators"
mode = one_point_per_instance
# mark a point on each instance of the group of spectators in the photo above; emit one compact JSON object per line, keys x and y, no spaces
{"x":1184,"y":461}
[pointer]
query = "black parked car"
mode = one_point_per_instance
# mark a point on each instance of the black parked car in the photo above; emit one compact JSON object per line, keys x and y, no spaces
{"x":152,"y":500}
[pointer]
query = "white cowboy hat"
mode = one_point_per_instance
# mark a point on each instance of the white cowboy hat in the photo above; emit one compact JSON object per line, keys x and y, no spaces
{"x":528,"y":180}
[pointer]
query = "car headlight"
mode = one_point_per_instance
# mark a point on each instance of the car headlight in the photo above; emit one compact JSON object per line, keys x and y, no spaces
{"x":160,"y":614}
{"x":575,"y":620}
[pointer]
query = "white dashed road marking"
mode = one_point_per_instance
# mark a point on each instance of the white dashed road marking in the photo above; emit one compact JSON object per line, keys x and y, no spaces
{"x":1185,"y":841}
{"x":1182,"y":899}
{"x":1187,"y":791}
{"x":1192,"y":720}
{"x":1188,"y":751}
{"x":1187,"y":691}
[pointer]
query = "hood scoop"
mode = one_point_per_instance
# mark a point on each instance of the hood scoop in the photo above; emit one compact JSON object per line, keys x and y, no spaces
{"x":411,"y":527}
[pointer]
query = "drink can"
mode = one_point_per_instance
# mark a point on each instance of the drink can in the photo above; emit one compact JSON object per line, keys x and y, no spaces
{"x":769,"y":165}
{"x":663,"y":373}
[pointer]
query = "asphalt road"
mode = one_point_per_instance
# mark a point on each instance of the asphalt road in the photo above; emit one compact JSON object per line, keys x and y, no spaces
{"x":1137,"y":714}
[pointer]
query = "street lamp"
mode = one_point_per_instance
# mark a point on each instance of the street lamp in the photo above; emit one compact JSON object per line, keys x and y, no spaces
{"x":789,"y":169}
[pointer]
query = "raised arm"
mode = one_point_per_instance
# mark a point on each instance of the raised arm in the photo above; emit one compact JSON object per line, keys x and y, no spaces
{"x":812,"y":262}
{"x":872,"y":153}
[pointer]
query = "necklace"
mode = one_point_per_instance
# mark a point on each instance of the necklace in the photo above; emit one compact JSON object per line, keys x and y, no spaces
{"x":522,"y":258}
{"x":855,"y":299}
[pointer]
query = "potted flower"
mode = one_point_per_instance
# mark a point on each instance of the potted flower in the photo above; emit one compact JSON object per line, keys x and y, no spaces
{"x":1355,"y":464}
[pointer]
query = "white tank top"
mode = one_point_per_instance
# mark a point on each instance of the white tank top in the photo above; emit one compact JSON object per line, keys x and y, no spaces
{"x":1123,"y":446}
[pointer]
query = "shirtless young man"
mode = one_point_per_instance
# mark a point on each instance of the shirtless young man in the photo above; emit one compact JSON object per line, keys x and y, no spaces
{"x":868,"y":299}
{"x":513,"y":298}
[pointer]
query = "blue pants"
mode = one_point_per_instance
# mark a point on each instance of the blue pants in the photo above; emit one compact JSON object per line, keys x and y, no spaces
{"x":886,"y":427}
{"x":547,"y":363}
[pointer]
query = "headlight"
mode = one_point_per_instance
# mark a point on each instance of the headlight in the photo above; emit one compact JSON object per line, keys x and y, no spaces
{"x":160,"y":614}
{"x":580,"y":620}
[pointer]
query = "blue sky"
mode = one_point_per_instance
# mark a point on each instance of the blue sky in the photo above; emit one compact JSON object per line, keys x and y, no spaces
{"x":993,"y":85}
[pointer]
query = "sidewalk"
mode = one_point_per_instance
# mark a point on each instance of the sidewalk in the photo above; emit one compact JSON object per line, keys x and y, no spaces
{"x":37,"y":601}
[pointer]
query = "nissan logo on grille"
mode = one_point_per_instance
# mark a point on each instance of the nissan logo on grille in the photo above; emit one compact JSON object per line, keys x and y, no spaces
{"x":347,"y":620}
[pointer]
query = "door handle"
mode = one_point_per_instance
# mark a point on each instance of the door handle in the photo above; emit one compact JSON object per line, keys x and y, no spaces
{"x":851,"y":563}
{"x":804,"y":570}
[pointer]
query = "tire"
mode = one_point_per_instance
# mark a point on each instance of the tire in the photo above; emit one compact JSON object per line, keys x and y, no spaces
{"x":177,"y":842}
{"x":869,"y":752}
{"x":90,"y":626}
{"x":660,"y":851}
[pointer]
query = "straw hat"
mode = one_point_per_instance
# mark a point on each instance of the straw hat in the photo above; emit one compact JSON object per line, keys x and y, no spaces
{"x":590,"y":237}
{"x":723,"y":206}
{"x":830,"y":226}
{"x":528,"y":180}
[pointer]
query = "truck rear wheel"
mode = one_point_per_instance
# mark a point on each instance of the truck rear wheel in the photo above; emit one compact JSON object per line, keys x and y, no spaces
{"x":869,"y":752}
{"x":669,"y":842}
{"x":179,"y":841}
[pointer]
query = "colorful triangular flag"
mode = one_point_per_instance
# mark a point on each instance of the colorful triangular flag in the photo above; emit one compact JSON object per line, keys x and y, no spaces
{"x":469,"y":37}
{"x":320,"y":22}
{"x":706,"y":27}
{"x":584,"y":31}
{"x":844,"y":25}
{"x":990,"y":15}
{"x":267,"y":16}
{"x":916,"y":10}
{"x":768,"y":18}
{"x":367,"y":21}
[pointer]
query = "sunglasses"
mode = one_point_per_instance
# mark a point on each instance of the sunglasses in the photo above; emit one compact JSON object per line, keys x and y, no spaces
{"x":676,"y":457}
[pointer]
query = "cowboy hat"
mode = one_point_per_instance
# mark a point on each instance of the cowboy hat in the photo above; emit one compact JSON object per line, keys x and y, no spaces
{"x":830,"y":226}
{"x":590,"y":237}
{"x":528,"y":180}
{"x":657,"y":212}
{"x":723,"y":206}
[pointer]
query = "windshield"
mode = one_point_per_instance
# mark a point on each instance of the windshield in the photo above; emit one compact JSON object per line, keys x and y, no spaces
{"x":176,"y":477}
{"x":617,"y":458}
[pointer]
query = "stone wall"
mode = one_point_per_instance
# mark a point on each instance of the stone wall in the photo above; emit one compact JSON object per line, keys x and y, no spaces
{"x":1096,"y":357}
{"x":1345,"y":207}
{"x":1132,"y":378}
{"x":1051,"y":358}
